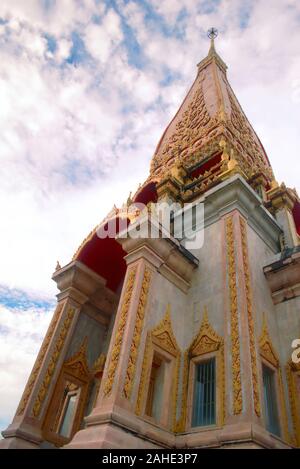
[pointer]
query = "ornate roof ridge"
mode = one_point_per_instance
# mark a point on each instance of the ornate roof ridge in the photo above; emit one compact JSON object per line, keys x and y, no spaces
{"x":209,"y":114}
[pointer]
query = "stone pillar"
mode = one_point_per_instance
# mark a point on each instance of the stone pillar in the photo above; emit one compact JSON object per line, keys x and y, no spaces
{"x":114,"y":401}
{"x":282,"y":202}
{"x":76,"y":283}
{"x":25,"y":429}
{"x":168,"y":190}
{"x":259,"y":182}
{"x":243,"y":402}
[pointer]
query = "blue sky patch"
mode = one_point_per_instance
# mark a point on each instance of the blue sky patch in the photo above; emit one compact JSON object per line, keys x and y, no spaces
{"x":78,"y":52}
{"x":48,"y":4}
{"x":18,"y":299}
{"x":51,"y":42}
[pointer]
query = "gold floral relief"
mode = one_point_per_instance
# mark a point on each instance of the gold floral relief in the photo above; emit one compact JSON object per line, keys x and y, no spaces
{"x":162,"y":336}
{"x":267,"y":350}
{"x":115,"y":354}
{"x":206,"y":341}
{"x":234,"y":319}
{"x":250,"y":315}
{"x":99,"y":364}
{"x":191,"y":129}
{"x":77,"y":365}
{"x":293,"y":378}
{"x":53,"y":362}
{"x":138,"y":327}
{"x":269,"y":354}
{"x":40,"y":358}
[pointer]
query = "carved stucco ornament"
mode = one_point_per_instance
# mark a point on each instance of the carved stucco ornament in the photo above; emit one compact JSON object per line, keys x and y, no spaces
{"x":269,"y":354}
{"x":205,"y":342}
{"x":163,"y":337}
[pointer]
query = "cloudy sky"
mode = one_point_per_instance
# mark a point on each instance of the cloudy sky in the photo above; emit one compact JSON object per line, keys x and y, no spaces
{"x":86,"y":89}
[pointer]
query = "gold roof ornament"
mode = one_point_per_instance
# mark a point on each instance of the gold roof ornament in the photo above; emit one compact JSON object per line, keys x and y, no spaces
{"x":209,"y":114}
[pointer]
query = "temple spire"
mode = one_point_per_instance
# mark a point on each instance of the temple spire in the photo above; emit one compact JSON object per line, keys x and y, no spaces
{"x":210,"y":116}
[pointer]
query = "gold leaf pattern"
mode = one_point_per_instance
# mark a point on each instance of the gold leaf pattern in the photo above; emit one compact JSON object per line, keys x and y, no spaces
{"x":206,"y":341}
{"x":139,"y":320}
{"x":234,"y":319}
{"x":115,"y":354}
{"x":53,"y":362}
{"x":251,"y":327}
{"x":40,"y":358}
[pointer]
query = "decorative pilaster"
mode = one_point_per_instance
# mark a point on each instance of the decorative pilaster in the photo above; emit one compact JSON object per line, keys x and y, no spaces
{"x":251,"y":328}
{"x":76,"y":283}
{"x":139,"y":321}
{"x":281,"y":203}
{"x":25,"y":430}
{"x":57,"y":349}
{"x":234,"y":318}
{"x":115,"y":353}
{"x":292,"y":374}
{"x":38,"y":363}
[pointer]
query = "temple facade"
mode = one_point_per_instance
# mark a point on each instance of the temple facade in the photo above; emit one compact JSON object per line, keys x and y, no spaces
{"x":159,"y":342}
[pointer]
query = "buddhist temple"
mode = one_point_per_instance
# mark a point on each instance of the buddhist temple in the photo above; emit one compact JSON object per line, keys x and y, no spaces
{"x":155,"y":343}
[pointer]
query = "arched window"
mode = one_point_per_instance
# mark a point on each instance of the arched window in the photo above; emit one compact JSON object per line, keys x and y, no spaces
{"x":73,"y":397}
{"x":157,"y":395}
{"x":203,"y":397}
{"x":273,"y":395}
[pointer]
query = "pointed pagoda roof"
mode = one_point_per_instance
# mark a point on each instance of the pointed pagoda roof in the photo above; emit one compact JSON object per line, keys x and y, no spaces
{"x":210,"y":114}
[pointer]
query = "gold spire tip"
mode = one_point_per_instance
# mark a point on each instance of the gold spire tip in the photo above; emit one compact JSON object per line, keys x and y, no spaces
{"x":212,"y":33}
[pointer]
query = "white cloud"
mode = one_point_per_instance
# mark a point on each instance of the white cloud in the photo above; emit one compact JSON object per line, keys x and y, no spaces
{"x":63,"y":128}
{"x":77,"y":137}
{"x":63,"y":51}
{"x":102,"y":39}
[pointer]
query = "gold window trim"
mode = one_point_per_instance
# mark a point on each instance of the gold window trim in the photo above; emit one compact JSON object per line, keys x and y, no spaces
{"x":270,"y":357}
{"x":161,"y":338}
{"x":75,"y":392}
{"x":293,"y":373}
{"x":206,"y":344}
{"x":76,"y":372}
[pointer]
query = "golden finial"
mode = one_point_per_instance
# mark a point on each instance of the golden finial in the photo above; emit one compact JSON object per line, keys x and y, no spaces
{"x":129,"y":200}
{"x":212,"y":33}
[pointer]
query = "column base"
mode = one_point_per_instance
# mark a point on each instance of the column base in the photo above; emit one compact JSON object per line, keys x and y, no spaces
{"x":108,"y":436}
{"x":20,"y":437}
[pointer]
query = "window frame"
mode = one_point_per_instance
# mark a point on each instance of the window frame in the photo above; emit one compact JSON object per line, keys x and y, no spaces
{"x":194,"y":361}
{"x":270,"y":358}
{"x":74,"y":371}
{"x":166,"y":403}
{"x":265,"y":363}
{"x":69,"y":394}
{"x":162,"y":340}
